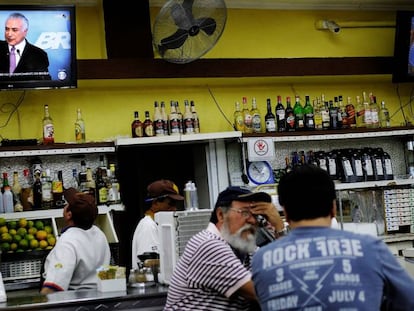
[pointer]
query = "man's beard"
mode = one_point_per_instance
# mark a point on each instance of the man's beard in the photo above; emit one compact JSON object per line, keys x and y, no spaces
{"x":246,"y":244}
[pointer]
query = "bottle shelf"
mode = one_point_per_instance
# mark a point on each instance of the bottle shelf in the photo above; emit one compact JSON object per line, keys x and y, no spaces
{"x":334,"y":134}
{"x":374,"y":184}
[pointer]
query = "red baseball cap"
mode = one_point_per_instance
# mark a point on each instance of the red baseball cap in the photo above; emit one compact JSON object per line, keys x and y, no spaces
{"x":163,"y":187}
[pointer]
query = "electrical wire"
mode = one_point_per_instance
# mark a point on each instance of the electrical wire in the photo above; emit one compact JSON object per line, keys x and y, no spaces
{"x":15,"y":107}
{"x":219,"y":108}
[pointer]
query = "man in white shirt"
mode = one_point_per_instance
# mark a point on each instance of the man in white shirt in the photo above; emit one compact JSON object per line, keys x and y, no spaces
{"x":162,"y":196}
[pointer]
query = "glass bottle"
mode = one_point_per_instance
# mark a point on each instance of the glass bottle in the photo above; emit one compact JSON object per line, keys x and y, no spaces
{"x":114,"y":194}
{"x":148,"y":125}
{"x":344,"y":114}
{"x":238,"y":118}
{"x":173,"y":120}
{"x":101,"y":189}
{"x":27,"y":191}
{"x":37,"y":192}
{"x":247,"y":117}
{"x":326,"y":120}
{"x":90,"y":184}
{"x":8,"y":205}
{"x":270,"y":120}
{"x":48,"y":127}
{"x":80,"y":135}
{"x":384,"y":116}
{"x":47,"y":196}
{"x":373,"y":106}
{"x":290,"y":116}
{"x":136,"y":126}
{"x":299,"y":116}
{"x":158,"y":120}
{"x":196,"y":121}
{"x":280,"y":115}
{"x":256,"y":117}
{"x":360,"y":113}
{"x":73,"y":181}
{"x":179,"y":116}
{"x":308,"y":113}
{"x":188,"y":119}
{"x":164,"y":118}
{"x":339,"y":112}
{"x":17,"y":190}
{"x":367,"y":110}
{"x":350,"y":111}
{"x":83,"y":178}
{"x":317,"y":114}
{"x":57,"y":189}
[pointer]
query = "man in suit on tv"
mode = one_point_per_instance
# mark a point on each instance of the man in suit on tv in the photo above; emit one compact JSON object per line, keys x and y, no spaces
{"x":19,"y":59}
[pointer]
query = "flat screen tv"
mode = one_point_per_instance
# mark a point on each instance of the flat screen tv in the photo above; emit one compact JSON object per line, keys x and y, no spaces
{"x":48,"y":59}
{"x":403,"y":66}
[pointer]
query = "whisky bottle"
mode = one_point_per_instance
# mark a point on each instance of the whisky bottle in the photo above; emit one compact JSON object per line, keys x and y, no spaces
{"x":136,"y":126}
{"x":339,"y":115}
{"x":344,"y":114}
{"x":158,"y":120}
{"x":247,"y":118}
{"x":101,"y":188}
{"x":360,"y":113}
{"x":188,"y":119}
{"x":48,"y":127}
{"x":298,"y":112}
{"x":80,"y":135}
{"x":350,"y":111}
{"x":148,"y":125}
{"x":238,"y":119}
{"x":309,"y":116}
{"x":164,"y":118}
{"x":256,"y":117}
{"x":280,"y":115}
{"x":384,"y":116}
{"x":270,"y":119}
{"x":317,"y":114}
{"x":333,"y":116}
{"x":173,"y":120}
{"x":196,"y":120}
{"x":57,"y":189}
{"x":290,"y":116}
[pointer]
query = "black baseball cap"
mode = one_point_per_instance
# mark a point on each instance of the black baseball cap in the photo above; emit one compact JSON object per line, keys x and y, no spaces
{"x":235,"y":193}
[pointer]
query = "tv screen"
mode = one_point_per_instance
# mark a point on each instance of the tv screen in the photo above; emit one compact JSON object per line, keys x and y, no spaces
{"x":403,"y":69}
{"x":46,"y":58}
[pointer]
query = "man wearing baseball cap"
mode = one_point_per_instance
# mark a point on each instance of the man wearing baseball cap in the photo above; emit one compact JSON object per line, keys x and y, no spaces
{"x":162,"y":195}
{"x":81,"y":248}
{"x":213,"y":273}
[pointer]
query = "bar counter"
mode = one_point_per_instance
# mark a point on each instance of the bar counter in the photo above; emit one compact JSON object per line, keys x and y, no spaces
{"x":149,"y":299}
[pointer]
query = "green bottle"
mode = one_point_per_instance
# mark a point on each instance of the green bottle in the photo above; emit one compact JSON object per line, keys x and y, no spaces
{"x":308,"y":115}
{"x":299,"y":116}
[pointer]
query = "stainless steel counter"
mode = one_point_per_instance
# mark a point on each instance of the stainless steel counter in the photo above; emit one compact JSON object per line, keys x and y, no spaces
{"x":149,"y":299}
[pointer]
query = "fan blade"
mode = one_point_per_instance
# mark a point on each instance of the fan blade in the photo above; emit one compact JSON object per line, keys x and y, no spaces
{"x":182,"y":14}
{"x":207,"y":24}
{"x":173,"y":42}
{"x":188,"y":5}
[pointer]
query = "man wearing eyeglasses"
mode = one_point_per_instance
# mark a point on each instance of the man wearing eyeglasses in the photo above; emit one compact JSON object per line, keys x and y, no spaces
{"x":214,"y":271}
{"x":162,"y":196}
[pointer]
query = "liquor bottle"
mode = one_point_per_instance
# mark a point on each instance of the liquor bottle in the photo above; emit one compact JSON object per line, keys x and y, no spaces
{"x":367,"y":110}
{"x":136,"y":126}
{"x":16,"y":189}
{"x":290,"y":116}
{"x":317,"y":114}
{"x":344,"y":114}
{"x":247,"y":118}
{"x":101,"y":188}
{"x":158,"y":121}
{"x":73,"y":181}
{"x":57,"y":189}
{"x":308,"y":113}
{"x":339,"y":114}
{"x":173,"y":120}
{"x":48,"y":128}
{"x":27,"y":191}
{"x":360,"y":113}
{"x":384,"y":116}
{"x":179,"y":116}
{"x":148,"y":125}
{"x":280,"y":115}
{"x":8,"y":205}
{"x":326,"y":120}
{"x":83,"y":178}
{"x":47,"y":197}
{"x":238,"y":118}
{"x":196,"y":120}
{"x":80,"y":135}
{"x":350,"y":111}
{"x":164,"y":118}
{"x":373,"y":106}
{"x":37,"y":192}
{"x":333,"y":116}
{"x":270,"y":120}
{"x":256,"y":117}
{"x":188,"y":119}
{"x":90,"y":184}
{"x":299,"y":116}
{"x":114,"y":194}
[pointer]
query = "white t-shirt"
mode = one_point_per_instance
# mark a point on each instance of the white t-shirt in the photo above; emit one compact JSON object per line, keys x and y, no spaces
{"x":145,"y":239}
{"x":72,"y":263}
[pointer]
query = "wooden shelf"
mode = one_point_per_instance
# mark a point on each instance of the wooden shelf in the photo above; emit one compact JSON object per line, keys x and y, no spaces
{"x":141,"y":68}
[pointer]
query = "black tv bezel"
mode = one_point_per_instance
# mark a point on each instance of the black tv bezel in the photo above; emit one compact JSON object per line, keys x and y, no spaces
{"x":72,"y":82}
{"x":401,"y":47}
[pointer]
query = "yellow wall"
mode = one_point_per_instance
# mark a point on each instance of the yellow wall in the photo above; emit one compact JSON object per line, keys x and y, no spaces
{"x":108,"y":105}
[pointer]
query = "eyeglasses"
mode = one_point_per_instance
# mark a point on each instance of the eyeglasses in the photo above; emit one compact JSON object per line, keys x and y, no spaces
{"x":244,"y":212}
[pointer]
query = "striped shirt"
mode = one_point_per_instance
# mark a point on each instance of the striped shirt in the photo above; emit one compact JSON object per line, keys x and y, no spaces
{"x":207,"y":274}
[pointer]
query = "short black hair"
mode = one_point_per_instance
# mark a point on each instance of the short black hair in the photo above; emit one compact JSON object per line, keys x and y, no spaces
{"x":307,"y":192}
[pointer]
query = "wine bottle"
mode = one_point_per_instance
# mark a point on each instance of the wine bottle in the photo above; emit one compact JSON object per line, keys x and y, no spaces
{"x":37,"y":192}
{"x":270,"y":120}
{"x":80,"y":134}
{"x":48,"y":127}
{"x":256,"y":117}
{"x":136,"y":126}
{"x":280,"y":115}
{"x":290,"y":116}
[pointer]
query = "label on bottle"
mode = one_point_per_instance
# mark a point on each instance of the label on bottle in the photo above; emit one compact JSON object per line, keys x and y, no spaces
{"x":270,"y":125}
{"x":256,"y":123}
{"x":159,"y":127}
{"x":48,"y":133}
{"x":79,"y":132}
{"x":174,"y":126}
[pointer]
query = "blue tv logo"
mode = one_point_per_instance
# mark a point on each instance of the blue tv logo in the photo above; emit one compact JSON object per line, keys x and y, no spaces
{"x":54,"y":40}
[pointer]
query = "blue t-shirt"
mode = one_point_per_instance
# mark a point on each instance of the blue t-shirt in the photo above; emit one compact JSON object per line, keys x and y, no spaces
{"x":320,"y":268}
